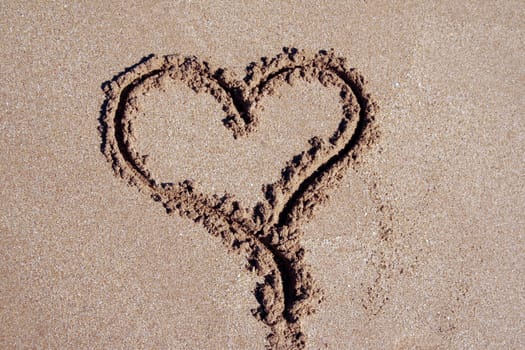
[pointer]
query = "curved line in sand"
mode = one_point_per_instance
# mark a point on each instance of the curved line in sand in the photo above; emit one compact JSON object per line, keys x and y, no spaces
{"x":321,"y":167}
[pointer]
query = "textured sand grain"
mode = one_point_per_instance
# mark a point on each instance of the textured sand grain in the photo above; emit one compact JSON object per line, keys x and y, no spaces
{"x":88,"y":262}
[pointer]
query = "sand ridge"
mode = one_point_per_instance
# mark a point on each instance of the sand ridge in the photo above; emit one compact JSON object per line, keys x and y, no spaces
{"x":270,"y":233}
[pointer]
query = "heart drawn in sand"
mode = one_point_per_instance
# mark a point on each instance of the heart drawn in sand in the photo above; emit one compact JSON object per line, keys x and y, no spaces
{"x":268,"y":234}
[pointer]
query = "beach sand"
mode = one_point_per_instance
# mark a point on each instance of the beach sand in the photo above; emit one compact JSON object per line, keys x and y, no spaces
{"x":419,"y":245}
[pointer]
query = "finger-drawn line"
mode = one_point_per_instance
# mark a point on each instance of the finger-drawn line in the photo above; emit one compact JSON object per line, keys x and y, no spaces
{"x":270,"y":233}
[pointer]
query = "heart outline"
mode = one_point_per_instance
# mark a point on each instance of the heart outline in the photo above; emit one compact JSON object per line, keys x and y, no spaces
{"x":270,"y":234}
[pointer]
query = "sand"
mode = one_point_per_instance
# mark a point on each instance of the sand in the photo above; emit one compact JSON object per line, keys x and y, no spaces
{"x":364,"y":190}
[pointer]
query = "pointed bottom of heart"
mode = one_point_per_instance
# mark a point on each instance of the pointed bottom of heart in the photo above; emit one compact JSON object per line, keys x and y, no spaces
{"x":269,"y":235}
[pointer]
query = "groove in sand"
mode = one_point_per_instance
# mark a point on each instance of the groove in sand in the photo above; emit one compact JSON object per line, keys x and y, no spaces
{"x":270,"y":233}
